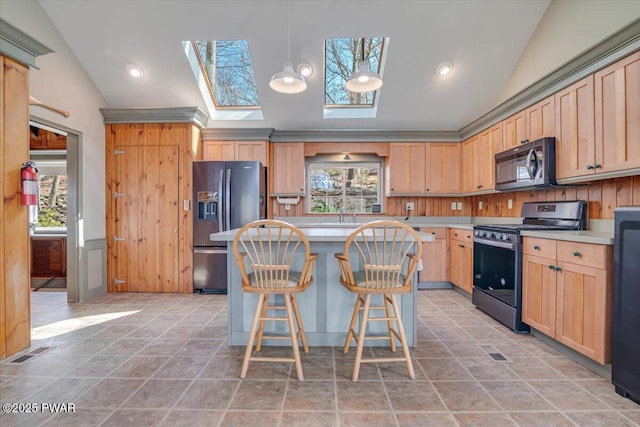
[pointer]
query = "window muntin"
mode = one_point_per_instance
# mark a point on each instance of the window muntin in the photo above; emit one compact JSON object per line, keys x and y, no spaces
{"x":341,"y":57}
{"x":335,"y":185}
{"x":226,"y":66}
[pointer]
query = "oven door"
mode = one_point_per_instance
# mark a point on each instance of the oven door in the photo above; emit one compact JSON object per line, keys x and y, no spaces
{"x":496,"y":269}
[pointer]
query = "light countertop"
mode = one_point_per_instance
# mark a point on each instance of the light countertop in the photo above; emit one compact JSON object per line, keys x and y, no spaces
{"x":582,"y":236}
{"x":314,"y":234}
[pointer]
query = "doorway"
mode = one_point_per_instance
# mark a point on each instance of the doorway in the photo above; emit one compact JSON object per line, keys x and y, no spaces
{"x":54,"y":223}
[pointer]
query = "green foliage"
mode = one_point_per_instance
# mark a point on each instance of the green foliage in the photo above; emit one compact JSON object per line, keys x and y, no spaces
{"x":49,"y":217}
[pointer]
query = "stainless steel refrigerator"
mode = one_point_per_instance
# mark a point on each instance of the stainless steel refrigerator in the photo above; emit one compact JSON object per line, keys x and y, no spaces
{"x":226,"y":195}
{"x":625,"y":342}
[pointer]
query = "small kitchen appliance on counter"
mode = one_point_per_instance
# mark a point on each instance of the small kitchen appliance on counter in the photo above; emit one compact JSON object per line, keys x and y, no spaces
{"x":497,"y":257}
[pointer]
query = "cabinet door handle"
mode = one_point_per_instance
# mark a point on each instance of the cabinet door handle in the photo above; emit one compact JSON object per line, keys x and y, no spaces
{"x":427,"y":189}
{"x":524,"y":141}
{"x":551,"y":267}
{"x":479,"y":186}
{"x":536,"y":247}
{"x":433,"y":232}
{"x":576,"y":253}
{"x":462,"y":246}
{"x":558,"y":269}
{"x":597,"y":166}
{"x":589,"y":167}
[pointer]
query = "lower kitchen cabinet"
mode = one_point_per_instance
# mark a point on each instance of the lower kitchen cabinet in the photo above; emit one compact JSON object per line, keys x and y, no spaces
{"x":568,"y":295}
{"x":434,"y":256}
{"x":461,"y":258}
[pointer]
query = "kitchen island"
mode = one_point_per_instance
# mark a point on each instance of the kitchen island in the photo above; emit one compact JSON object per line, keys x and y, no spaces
{"x":325,"y":307}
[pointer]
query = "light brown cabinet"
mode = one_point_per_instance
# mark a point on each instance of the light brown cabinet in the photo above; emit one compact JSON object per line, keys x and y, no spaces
{"x":575,"y":129}
{"x":149,"y":230}
{"x":466,"y":163}
{"x":434,"y":256}
{"x":406,"y":168}
{"x":617,"y":111}
{"x":533,"y":123}
{"x":288,"y":169}
{"x":461,"y":258}
{"x":48,"y":256}
{"x":236,"y":150}
{"x":442,"y":168}
{"x":477,"y":159}
{"x":567,"y":290}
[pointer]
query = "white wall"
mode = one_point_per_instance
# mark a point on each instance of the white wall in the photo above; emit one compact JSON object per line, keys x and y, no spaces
{"x":568,"y":28}
{"x":63,"y":83}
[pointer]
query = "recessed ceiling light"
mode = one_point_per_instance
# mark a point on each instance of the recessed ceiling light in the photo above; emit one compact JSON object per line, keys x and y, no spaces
{"x":305,"y":69}
{"x":135,"y":71}
{"x":444,"y":68}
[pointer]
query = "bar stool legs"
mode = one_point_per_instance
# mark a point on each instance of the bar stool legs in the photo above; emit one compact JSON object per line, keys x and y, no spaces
{"x":257,"y":333}
{"x":392,"y":311}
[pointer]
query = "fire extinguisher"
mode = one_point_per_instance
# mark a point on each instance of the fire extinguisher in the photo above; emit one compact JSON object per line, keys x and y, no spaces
{"x":29,"y":181}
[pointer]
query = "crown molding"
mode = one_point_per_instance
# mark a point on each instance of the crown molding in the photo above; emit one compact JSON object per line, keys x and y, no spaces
{"x":155,"y":115}
{"x":363,"y":136}
{"x":19,"y":46}
{"x":617,"y":46}
{"x":255,"y":134}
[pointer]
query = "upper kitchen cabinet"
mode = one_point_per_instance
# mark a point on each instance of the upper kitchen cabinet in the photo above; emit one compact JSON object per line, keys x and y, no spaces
{"x":483,"y":170}
{"x":539,"y":119}
{"x":406,"y":168}
{"x":513,"y":131}
{"x":535,"y":122}
{"x":617,"y":111}
{"x":575,"y":137}
{"x":235,"y":150}
{"x":442,"y":168}
{"x":288,"y":171}
{"x":466,"y":162}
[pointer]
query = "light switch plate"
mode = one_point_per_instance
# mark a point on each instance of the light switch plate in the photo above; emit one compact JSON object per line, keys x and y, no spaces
{"x":186,"y":205}
{"x":459,"y":206}
{"x":453,"y":206}
{"x":480,"y":205}
{"x":510,"y":204}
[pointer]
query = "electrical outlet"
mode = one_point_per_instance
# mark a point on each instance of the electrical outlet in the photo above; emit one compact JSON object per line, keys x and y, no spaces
{"x":453,"y":206}
{"x":410,"y":206}
{"x":510,"y":204}
{"x":480,"y":205}
{"x":459,"y":206}
{"x":287,"y":207}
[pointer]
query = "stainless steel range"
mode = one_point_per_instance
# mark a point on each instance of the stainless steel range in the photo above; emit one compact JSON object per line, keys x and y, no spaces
{"x":497,"y":257}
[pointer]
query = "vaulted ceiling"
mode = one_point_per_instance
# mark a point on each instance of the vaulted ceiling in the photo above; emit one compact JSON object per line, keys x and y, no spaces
{"x":483,"y":39}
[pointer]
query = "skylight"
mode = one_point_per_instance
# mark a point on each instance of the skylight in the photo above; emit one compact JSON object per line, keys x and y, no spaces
{"x":226,"y":79}
{"x":341,"y":57}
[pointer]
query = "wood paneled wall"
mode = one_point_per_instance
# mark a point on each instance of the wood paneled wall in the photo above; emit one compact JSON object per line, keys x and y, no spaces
{"x":427,"y":206}
{"x":603,"y":197}
{"x":15,"y":325}
{"x":42,"y":139}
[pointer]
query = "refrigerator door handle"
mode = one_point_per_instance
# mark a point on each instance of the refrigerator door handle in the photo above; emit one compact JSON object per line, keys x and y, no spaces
{"x":224,"y":200}
{"x":227,"y":201}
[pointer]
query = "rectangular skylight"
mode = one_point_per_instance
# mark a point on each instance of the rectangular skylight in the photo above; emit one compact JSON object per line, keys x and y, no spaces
{"x":341,"y":57}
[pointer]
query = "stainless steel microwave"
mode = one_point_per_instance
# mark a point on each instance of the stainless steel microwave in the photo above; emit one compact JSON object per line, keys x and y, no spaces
{"x":527,"y":166}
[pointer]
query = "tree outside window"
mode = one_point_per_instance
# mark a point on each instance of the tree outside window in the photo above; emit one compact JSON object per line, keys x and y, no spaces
{"x":353,"y":187}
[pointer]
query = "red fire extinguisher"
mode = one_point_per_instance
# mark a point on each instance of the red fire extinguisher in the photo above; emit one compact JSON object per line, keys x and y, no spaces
{"x":29,"y":181}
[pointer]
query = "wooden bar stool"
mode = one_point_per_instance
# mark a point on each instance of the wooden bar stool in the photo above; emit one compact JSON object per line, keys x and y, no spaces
{"x":267,"y":252}
{"x":387,"y":255}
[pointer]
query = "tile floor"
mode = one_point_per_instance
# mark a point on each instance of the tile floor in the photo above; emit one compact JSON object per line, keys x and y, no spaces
{"x":158,"y":359}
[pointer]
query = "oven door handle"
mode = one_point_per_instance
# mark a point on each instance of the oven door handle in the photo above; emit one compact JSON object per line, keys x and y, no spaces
{"x":533,"y":163}
{"x":505,"y":245}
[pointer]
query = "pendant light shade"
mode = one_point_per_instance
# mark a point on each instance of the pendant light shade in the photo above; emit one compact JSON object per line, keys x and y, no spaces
{"x":363,"y":80}
{"x":288,"y":81}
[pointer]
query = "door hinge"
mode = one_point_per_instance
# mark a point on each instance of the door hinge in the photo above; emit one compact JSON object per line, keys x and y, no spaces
{"x":116,"y":194}
{"x":116,"y":151}
{"x":119,"y":239}
{"x":118,"y":282}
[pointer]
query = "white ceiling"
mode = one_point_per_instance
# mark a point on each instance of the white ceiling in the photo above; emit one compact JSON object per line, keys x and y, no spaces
{"x":483,"y":39}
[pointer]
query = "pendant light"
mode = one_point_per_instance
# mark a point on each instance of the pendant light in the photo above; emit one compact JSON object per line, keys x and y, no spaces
{"x":363,"y":80}
{"x":288,"y":81}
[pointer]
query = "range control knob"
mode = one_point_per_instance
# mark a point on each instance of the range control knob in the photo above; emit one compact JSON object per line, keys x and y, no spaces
{"x":505,"y":237}
{"x":489,"y":234}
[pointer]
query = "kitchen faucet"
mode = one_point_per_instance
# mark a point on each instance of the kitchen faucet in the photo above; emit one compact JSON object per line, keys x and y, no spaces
{"x":341,"y":214}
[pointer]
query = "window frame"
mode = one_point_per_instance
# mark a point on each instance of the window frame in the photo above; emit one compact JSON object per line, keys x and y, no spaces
{"x":377,"y":163}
